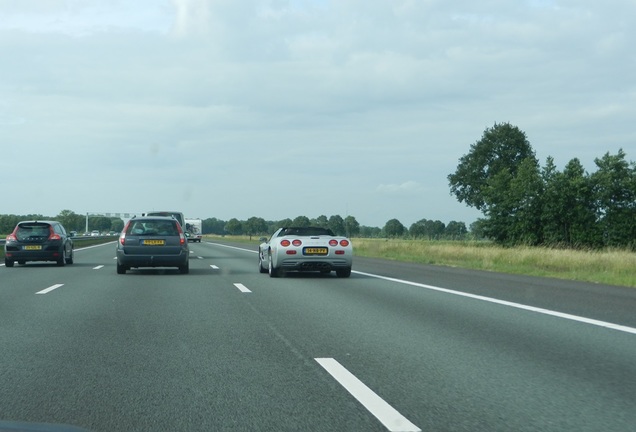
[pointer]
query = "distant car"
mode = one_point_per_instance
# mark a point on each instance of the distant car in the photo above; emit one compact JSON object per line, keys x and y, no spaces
{"x":305,"y":249}
{"x":152,"y":241}
{"x":38,"y":241}
{"x":95,"y":233}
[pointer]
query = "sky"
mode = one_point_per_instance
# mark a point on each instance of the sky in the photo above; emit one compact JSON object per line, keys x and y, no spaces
{"x":286,"y":108}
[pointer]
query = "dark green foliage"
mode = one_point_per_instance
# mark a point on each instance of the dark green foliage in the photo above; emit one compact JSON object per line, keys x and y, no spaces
{"x":524,"y":204}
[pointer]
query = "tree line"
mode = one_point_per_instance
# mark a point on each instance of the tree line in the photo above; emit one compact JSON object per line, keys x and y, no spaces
{"x":524,"y":203}
{"x":257,"y":226}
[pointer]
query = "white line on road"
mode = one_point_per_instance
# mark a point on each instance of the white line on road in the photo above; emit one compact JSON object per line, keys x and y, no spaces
{"x":388,"y":416}
{"x":214,"y":267}
{"x":242,"y":288}
{"x":590,"y":321}
{"x":232,"y":247}
{"x":510,"y":304}
{"x":98,"y":267}
{"x":49,"y":289}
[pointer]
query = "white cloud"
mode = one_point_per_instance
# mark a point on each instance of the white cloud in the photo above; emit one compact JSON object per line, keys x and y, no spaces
{"x":409,"y":187}
{"x":315,"y":100}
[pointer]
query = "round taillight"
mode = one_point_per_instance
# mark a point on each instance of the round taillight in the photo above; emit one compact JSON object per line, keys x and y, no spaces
{"x":285,"y":243}
{"x":344,"y":243}
{"x":333,"y":242}
{"x":297,"y":242}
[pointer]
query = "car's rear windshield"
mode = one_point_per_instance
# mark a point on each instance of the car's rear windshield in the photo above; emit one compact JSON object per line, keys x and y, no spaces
{"x":153,"y":228}
{"x":31,"y":230}
{"x":306,"y":231}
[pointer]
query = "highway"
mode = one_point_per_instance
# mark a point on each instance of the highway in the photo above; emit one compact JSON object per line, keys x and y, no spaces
{"x":395,"y":347}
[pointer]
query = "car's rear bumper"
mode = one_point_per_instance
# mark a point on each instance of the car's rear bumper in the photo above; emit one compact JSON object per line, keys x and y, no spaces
{"x":41,"y":255}
{"x":128,"y":260}
{"x":314,"y":265}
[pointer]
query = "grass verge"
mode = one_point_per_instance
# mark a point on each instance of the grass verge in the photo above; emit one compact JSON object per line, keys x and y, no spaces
{"x":612,"y":267}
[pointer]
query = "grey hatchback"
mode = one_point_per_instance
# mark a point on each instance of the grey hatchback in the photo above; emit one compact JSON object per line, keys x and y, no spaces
{"x":152,"y":241}
{"x":38,"y":241}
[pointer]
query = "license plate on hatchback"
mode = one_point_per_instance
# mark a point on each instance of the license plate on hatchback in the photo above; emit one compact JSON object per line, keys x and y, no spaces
{"x":315,"y":251}
{"x":154,"y":242}
{"x":33,"y":247}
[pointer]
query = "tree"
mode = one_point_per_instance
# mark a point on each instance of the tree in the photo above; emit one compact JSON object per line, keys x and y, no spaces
{"x":370,"y":232}
{"x":301,"y":221}
{"x":393,"y":228}
{"x":351,"y":226}
{"x":336,"y":224}
{"x":614,"y":186}
{"x":568,"y":214}
{"x":501,"y":149}
{"x":254,"y":226}
{"x":234,"y":227}
{"x":455,"y":230}
{"x":321,"y":221}
{"x":213,"y":226}
{"x":71,"y":220}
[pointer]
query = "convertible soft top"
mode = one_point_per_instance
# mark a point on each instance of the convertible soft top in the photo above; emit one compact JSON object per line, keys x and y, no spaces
{"x":306,"y":231}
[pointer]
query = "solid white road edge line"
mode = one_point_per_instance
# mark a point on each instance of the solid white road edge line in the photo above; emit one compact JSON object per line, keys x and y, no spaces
{"x":598,"y":323}
{"x":242,"y":288}
{"x":388,"y":416}
{"x":49,"y":289}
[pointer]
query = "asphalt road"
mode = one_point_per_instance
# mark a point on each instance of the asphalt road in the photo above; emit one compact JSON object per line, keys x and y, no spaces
{"x":395,"y":347}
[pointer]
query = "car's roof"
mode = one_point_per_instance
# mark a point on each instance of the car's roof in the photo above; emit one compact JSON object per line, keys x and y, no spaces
{"x":37,"y":221}
{"x":144,"y":218}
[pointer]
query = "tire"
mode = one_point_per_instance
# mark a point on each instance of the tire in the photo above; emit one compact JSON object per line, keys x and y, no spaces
{"x":273,"y":272}
{"x":121,"y":269}
{"x":343,"y":273}
{"x":62,"y":261}
{"x":8,"y":262}
{"x":261,"y":269}
{"x":69,"y":260}
{"x":185,"y":269}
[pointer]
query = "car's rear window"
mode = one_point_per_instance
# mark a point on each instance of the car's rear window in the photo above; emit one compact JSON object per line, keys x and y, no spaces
{"x":153,"y":228}
{"x":26,"y":231}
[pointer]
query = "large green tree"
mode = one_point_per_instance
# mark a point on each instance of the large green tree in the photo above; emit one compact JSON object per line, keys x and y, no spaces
{"x":351,"y":225}
{"x":614,"y":186}
{"x":394,"y":228}
{"x":496,"y":157}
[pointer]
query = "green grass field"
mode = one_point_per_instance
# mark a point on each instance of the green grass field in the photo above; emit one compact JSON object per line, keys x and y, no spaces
{"x":612,"y":267}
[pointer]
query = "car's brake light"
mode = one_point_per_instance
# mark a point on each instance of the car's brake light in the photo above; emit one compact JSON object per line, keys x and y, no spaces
{"x":122,"y":236}
{"x":333,"y":242}
{"x":344,"y":243}
{"x":297,"y":242}
{"x":285,"y":243}
{"x":53,"y":235}
{"x":11,"y":237}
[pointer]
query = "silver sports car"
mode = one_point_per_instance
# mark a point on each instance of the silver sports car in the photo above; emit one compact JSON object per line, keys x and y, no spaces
{"x":305,"y":249}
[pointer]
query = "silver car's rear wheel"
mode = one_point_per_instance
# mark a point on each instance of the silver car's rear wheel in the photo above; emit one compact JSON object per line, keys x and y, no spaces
{"x":261,"y":269}
{"x":273,"y":272}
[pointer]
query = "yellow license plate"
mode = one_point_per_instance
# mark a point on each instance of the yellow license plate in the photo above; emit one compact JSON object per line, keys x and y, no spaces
{"x":33,"y":247}
{"x":154,"y":242}
{"x":315,"y":251}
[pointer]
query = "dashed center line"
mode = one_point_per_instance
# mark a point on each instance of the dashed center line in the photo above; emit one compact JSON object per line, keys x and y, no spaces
{"x":214,"y":267}
{"x":242,"y":288}
{"x":388,"y":416}
{"x":98,"y":267}
{"x":49,"y":289}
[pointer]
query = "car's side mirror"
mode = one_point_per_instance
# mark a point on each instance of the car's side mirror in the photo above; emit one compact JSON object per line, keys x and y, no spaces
{"x":262,"y":239}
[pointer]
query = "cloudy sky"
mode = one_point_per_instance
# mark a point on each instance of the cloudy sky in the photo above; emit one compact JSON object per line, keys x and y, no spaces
{"x":281,"y":108}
